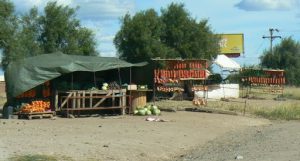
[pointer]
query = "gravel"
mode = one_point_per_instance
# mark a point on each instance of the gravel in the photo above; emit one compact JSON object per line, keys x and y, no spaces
{"x":279,"y":141}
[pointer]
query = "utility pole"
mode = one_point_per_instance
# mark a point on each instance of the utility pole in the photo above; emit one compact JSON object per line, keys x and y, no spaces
{"x":271,"y":37}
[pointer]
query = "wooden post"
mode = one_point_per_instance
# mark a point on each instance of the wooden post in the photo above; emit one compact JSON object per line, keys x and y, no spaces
{"x":83,"y":99}
{"x":113,"y":98}
{"x":73,"y":100}
{"x":78,"y":99}
{"x":123,"y":101}
{"x":56,"y":100}
{"x":91,"y":99}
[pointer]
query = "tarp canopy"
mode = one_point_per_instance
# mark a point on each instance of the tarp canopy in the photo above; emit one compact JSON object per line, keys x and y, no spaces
{"x":227,"y":63}
{"x":25,"y":74}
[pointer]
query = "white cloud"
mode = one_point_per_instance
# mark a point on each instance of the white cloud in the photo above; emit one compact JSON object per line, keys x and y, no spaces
{"x":108,"y":38}
{"x":104,"y":9}
{"x":23,"y":6}
{"x":88,"y":9}
{"x":261,"y":5}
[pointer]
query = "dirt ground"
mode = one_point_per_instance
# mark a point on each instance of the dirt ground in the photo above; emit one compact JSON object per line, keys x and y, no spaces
{"x":122,"y":138}
{"x":279,"y":141}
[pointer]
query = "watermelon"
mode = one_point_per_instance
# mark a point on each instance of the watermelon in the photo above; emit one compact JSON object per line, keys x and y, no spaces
{"x":156,"y":112}
{"x":142,"y":112}
{"x":149,"y":113}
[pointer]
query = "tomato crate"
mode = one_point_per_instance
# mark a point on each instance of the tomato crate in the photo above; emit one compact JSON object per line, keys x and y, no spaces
{"x":38,"y":115}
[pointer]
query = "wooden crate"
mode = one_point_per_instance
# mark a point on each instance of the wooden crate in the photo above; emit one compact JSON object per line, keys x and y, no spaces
{"x":37,"y":115}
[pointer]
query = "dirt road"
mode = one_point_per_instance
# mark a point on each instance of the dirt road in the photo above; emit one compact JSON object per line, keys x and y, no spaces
{"x":277,"y":142}
{"x":117,"y":138}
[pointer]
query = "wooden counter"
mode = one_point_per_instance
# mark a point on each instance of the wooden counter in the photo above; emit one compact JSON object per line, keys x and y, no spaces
{"x":77,"y":100}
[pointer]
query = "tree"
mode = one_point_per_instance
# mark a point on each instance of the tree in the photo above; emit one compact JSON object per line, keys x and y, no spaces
{"x":8,"y":28}
{"x":34,"y":34}
{"x":61,"y":31}
{"x":286,"y":55}
{"x":140,"y":37}
{"x":173,"y":34}
{"x":189,"y":38}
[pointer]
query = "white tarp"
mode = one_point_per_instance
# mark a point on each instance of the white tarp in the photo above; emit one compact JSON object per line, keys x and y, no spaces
{"x":224,"y":62}
{"x":219,"y":91}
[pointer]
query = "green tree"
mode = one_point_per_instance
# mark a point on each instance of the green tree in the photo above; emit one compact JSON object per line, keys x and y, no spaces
{"x":189,"y":38}
{"x":61,"y":31}
{"x":173,"y":34}
{"x":286,"y":55}
{"x":29,"y":36}
{"x":33,"y":34}
{"x":8,"y":28}
{"x":140,"y":37}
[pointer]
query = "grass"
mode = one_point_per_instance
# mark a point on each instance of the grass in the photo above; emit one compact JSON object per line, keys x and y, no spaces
{"x":262,"y":105}
{"x":283,"y":113}
{"x":38,"y":157}
{"x":292,"y":93}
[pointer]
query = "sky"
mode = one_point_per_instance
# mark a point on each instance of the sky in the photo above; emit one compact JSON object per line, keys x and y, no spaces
{"x":253,"y":18}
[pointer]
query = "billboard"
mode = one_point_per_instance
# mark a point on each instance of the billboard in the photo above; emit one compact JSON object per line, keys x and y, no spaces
{"x":232,"y":44}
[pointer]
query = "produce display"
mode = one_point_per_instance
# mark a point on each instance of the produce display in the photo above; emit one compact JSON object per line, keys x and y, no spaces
{"x":36,"y":106}
{"x":169,"y":89}
{"x":171,"y":76}
{"x":199,"y":88}
{"x":147,"y":110}
{"x":165,"y":76}
{"x":28,"y":94}
{"x":266,"y":81}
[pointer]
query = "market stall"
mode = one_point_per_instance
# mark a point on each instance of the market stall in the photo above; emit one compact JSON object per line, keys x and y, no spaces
{"x":40,"y":78}
{"x":263,"y":81}
{"x":177,"y":76}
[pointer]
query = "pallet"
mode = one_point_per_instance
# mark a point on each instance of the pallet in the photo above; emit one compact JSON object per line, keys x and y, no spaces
{"x":38,"y":115}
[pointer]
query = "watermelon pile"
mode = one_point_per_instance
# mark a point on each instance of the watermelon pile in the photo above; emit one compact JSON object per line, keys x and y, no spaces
{"x":147,"y":110}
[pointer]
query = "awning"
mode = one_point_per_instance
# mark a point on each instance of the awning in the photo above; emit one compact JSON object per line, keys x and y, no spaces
{"x":25,"y":74}
{"x":226,"y":63}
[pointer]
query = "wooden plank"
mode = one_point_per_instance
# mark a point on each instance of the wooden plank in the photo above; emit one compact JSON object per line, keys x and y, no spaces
{"x":78,"y":100}
{"x":66,"y":100}
{"x":73,"y":100}
{"x":83,"y":99}
{"x":56,"y":101}
{"x":123,"y":103}
{"x":102,"y":100}
{"x":94,"y":108}
{"x":91,"y":99}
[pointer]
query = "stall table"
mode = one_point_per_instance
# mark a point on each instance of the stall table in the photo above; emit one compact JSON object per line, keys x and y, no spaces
{"x":77,"y":100}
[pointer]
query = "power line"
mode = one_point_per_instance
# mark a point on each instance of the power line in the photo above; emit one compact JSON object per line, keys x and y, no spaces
{"x":271,"y":37}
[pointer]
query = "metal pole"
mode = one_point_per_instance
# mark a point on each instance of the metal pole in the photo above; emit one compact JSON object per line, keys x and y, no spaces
{"x":271,"y":37}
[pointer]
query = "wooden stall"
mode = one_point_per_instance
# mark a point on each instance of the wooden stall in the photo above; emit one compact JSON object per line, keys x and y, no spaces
{"x":72,"y":83}
{"x":78,"y":100}
{"x":264,"y":81}
{"x":175,"y":75}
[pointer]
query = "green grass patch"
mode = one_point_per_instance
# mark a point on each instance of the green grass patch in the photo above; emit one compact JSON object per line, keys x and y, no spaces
{"x":291,"y":93}
{"x":38,"y":157}
{"x":283,"y":112}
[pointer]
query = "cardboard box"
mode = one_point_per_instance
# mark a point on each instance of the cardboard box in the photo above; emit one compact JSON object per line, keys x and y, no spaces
{"x":132,"y":87}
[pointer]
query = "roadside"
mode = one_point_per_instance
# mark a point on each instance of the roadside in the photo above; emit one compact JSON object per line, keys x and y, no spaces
{"x":119,"y":138}
{"x":277,"y":142}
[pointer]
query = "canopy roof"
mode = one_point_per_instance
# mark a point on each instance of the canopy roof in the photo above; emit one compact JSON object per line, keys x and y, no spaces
{"x":227,"y":63}
{"x":23,"y":75}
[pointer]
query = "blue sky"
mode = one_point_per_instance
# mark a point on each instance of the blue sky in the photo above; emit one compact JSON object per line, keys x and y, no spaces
{"x":251,"y":17}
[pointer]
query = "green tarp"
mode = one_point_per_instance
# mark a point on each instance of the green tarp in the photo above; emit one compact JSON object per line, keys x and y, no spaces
{"x":23,"y":75}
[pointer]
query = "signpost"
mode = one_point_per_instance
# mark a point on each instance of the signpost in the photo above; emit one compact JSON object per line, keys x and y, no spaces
{"x":232,"y":45}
